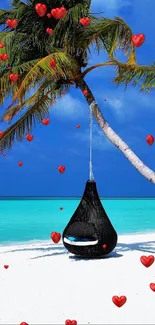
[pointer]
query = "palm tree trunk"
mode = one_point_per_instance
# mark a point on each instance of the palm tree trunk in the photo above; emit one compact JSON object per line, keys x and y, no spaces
{"x":113,"y":137}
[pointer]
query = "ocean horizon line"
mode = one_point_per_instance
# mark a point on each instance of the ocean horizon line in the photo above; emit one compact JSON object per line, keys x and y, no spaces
{"x":71,"y":198}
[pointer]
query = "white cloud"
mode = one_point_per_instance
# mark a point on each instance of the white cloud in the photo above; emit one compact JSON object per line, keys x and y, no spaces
{"x":69,"y":107}
{"x":100,"y":142}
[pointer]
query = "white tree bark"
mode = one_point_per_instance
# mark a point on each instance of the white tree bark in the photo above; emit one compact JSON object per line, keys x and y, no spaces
{"x":121,"y":145}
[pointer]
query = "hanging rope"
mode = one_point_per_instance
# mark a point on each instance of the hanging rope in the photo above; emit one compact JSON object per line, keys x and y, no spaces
{"x":91,"y":176}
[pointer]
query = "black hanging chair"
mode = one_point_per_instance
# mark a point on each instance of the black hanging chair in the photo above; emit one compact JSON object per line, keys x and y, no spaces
{"x":89,"y":232}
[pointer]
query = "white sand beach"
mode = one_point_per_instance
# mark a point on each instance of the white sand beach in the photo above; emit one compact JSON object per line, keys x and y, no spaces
{"x":46,"y":285}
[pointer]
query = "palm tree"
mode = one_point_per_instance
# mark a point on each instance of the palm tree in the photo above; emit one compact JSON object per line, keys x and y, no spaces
{"x":30,"y":50}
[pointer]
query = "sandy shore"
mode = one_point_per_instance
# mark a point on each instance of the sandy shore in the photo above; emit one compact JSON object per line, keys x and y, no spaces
{"x":46,"y":285}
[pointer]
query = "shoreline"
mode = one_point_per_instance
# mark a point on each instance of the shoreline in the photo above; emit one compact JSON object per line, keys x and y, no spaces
{"x":47,"y":241}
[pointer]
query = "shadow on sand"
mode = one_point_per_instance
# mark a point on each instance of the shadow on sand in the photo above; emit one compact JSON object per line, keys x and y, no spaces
{"x":146,"y":247}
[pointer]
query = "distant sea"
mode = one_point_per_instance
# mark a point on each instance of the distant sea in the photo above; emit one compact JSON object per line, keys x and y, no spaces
{"x":31,"y":219}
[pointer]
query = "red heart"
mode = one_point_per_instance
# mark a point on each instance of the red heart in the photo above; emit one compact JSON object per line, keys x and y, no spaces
{"x":70,"y":322}
{"x":3,"y":57}
{"x":78,"y":126}
{"x":41,"y":9}
{"x":150,"y":139}
{"x":29,"y":137}
{"x":2,"y":45}
{"x":52,"y":63}
{"x":58,"y":13}
{"x":85,"y":92}
{"x":61,"y":208}
{"x":104,"y":246}
{"x":119,"y":301}
{"x":12,"y":23}
{"x":85,"y":21}
{"x":147,"y":260}
{"x":46,"y":121}
{"x":63,"y":93}
{"x":55,"y":236}
{"x":1,"y":134}
{"x":20,"y":164}
{"x":138,"y":40}
{"x":14,"y":77}
{"x":6,"y":266}
{"x":152,"y":286}
{"x":61,"y":169}
{"x":49,"y":15}
{"x":49,"y":31}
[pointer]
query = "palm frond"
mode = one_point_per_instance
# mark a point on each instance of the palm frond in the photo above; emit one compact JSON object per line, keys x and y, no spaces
{"x":113,"y":34}
{"x":66,"y":67}
{"x":34,"y":114}
{"x":137,"y":75}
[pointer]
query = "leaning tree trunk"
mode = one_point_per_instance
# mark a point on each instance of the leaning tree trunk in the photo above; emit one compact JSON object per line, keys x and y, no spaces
{"x":113,"y":137}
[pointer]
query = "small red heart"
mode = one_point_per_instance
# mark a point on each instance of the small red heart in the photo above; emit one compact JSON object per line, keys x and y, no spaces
{"x":61,"y":208}
{"x":14,"y":77}
{"x":29,"y":137}
{"x":61,"y":169}
{"x":52,"y":63}
{"x":85,"y":92}
{"x":55,"y":236}
{"x":63,"y":93}
{"x":3,"y":57}
{"x":78,"y":126}
{"x":1,"y":134}
{"x":6,"y":266}
{"x":49,"y":15}
{"x":12,"y":23}
{"x":152,"y":286}
{"x":119,"y":301}
{"x":147,"y":260}
{"x":49,"y":31}
{"x":85,"y":21}
{"x":2,"y":45}
{"x":70,"y":322}
{"x":46,"y":121}
{"x":138,"y":40}
{"x":41,"y":9}
{"x":104,"y":246}
{"x":58,"y":13}
{"x":20,"y":163}
{"x":150,"y":139}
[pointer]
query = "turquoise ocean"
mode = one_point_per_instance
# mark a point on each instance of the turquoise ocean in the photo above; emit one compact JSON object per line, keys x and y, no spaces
{"x":26,"y":219}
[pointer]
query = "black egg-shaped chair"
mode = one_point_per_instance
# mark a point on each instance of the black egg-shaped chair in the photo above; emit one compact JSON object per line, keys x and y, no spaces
{"x":89,"y":233}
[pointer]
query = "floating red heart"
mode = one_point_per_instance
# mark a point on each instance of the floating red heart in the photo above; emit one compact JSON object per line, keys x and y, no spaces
{"x":59,"y":13}
{"x":147,"y":261}
{"x":61,"y":208}
{"x":3,"y":57}
{"x":104,"y":246}
{"x":24,"y":323}
{"x":46,"y":121}
{"x":61,"y":169}
{"x":14,"y":77}
{"x":152,"y":286}
{"x":6,"y":266}
{"x":138,"y":39}
{"x":49,"y":15}
{"x":85,"y":92}
{"x":70,"y":322}
{"x":150,"y":139}
{"x":55,"y":236}
{"x":49,"y":31}
{"x":12,"y":23}
{"x":41,"y":9}
{"x":4,"y":154}
{"x":53,"y":63}
{"x":20,"y":163}
{"x":63,"y":93}
{"x":29,"y":137}
{"x":78,"y":126}
{"x":119,"y":301}
{"x":1,"y":133}
{"x":85,"y":21}
{"x":2,"y":45}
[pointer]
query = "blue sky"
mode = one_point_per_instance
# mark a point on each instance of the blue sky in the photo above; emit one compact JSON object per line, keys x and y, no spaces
{"x":130,"y":113}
